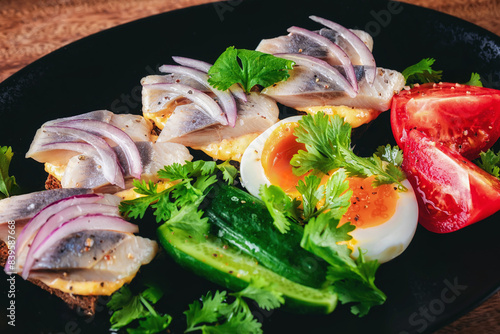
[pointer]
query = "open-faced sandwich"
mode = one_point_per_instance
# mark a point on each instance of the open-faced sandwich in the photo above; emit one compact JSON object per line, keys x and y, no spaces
{"x":283,"y":210}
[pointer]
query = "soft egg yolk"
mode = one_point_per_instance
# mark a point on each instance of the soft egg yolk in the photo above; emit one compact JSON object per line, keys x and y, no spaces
{"x":370,"y":206}
{"x":278,"y":150}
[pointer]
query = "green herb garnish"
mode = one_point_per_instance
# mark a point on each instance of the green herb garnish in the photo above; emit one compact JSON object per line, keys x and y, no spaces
{"x":489,"y":161}
{"x":422,"y":72}
{"x":127,"y":307}
{"x":328,"y":147}
{"x":475,"y":80}
{"x":8,"y":185}
{"x":248,"y":68}
{"x":352,"y":280}
{"x":178,"y":205}
{"x":280,"y":206}
{"x":215,"y":315}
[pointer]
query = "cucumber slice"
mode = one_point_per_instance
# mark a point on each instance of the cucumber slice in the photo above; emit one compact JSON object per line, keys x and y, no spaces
{"x":234,"y":270}
{"x":244,"y":221}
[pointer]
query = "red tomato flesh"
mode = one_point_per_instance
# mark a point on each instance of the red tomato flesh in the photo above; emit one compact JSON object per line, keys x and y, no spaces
{"x":452,"y":192}
{"x":463,"y":118}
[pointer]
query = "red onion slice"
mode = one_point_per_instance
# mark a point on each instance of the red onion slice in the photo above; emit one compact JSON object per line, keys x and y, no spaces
{"x":81,"y":223}
{"x":208,"y":105}
{"x":60,"y":152}
{"x":357,"y":44}
{"x":200,"y":65}
{"x":67,"y":214}
{"x":193,"y":63}
{"x":334,"y":49}
{"x":327,"y":70}
{"x":110,"y":165}
{"x":31,"y":228}
{"x":107,"y":130}
{"x":226,"y":100}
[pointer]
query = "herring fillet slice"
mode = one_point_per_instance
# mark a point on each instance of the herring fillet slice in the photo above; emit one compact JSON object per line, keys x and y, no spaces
{"x":255,"y":115}
{"x":293,"y":43}
{"x":83,"y":172}
{"x":305,"y":89}
{"x":206,"y":102}
{"x":118,"y":256}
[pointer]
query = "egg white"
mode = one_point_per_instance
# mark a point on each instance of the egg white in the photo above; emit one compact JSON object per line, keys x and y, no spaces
{"x":252,"y":173}
{"x":383,"y":242}
{"x":388,"y":240}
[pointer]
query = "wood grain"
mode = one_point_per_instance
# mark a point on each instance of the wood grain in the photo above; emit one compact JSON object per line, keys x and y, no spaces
{"x":30,"y":29}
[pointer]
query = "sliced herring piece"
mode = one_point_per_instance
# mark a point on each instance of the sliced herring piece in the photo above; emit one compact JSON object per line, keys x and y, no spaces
{"x":306,"y":88}
{"x":255,"y":115}
{"x":117,"y":256}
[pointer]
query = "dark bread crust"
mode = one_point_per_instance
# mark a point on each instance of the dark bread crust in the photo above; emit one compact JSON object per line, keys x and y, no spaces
{"x":52,"y":183}
{"x":86,"y":304}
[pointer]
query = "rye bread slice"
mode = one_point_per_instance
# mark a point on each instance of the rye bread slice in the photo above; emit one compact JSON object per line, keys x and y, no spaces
{"x":85,"y":304}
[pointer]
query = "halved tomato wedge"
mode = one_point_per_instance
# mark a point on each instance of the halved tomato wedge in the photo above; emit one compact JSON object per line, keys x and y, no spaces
{"x":452,"y":192}
{"x":464,"y":118}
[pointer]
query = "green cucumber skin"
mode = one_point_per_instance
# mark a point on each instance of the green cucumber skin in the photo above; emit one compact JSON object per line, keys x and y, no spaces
{"x":244,"y":222}
{"x":229,"y":280}
{"x":216,"y":276}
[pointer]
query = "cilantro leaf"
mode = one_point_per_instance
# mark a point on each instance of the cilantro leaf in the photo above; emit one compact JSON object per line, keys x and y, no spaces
{"x":390,"y":154}
{"x":152,"y":324}
{"x":179,"y":205}
{"x":356,"y":284}
{"x":215,"y":315}
{"x":321,"y":235}
{"x":229,"y":172}
{"x":137,"y":208}
{"x":334,"y":195}
{"x":263,"y":293}
{"x":337,"y":195}
{"x":257,"y":68}
{"x":422,"y":72}
{"x":328,"y":147}
{"x":153,"y":293}
{"x":312,"y":193}
{"x":127,"y":307}
{"x":280,"y":206}
{"x":490,"y":162}
{"x":353,"y":281}
{"x":188,"y":218}
{"x":8,"y":184}
{"x":207,"y":311}
{"x":475,"y":80}
{"x":241,"y":321}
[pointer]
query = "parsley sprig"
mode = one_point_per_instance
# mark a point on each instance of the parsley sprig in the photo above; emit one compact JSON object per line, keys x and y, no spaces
{"x":475,"y":80}
{"x":328,"y":147}
{"x":282,"y":208}
{"x":489,"y":161}
{"x":213,"y":314}
{"x":178,"y":205}
{"x":322,"y":208}
{"x":127,"y":307}
{"x":248,"y":68}
{"x":8,"y":184}
{"x":422,"y":72}
{"x":352,"y":280}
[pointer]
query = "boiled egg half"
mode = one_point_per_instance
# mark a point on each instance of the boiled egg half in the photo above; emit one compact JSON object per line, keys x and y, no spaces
{"x":385,"y":217}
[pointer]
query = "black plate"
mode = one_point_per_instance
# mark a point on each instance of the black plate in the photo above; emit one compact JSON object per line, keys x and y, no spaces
{"x":438,"y":278}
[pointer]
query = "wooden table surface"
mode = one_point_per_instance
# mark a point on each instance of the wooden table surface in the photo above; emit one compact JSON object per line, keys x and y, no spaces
{"x":30,"y":29}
